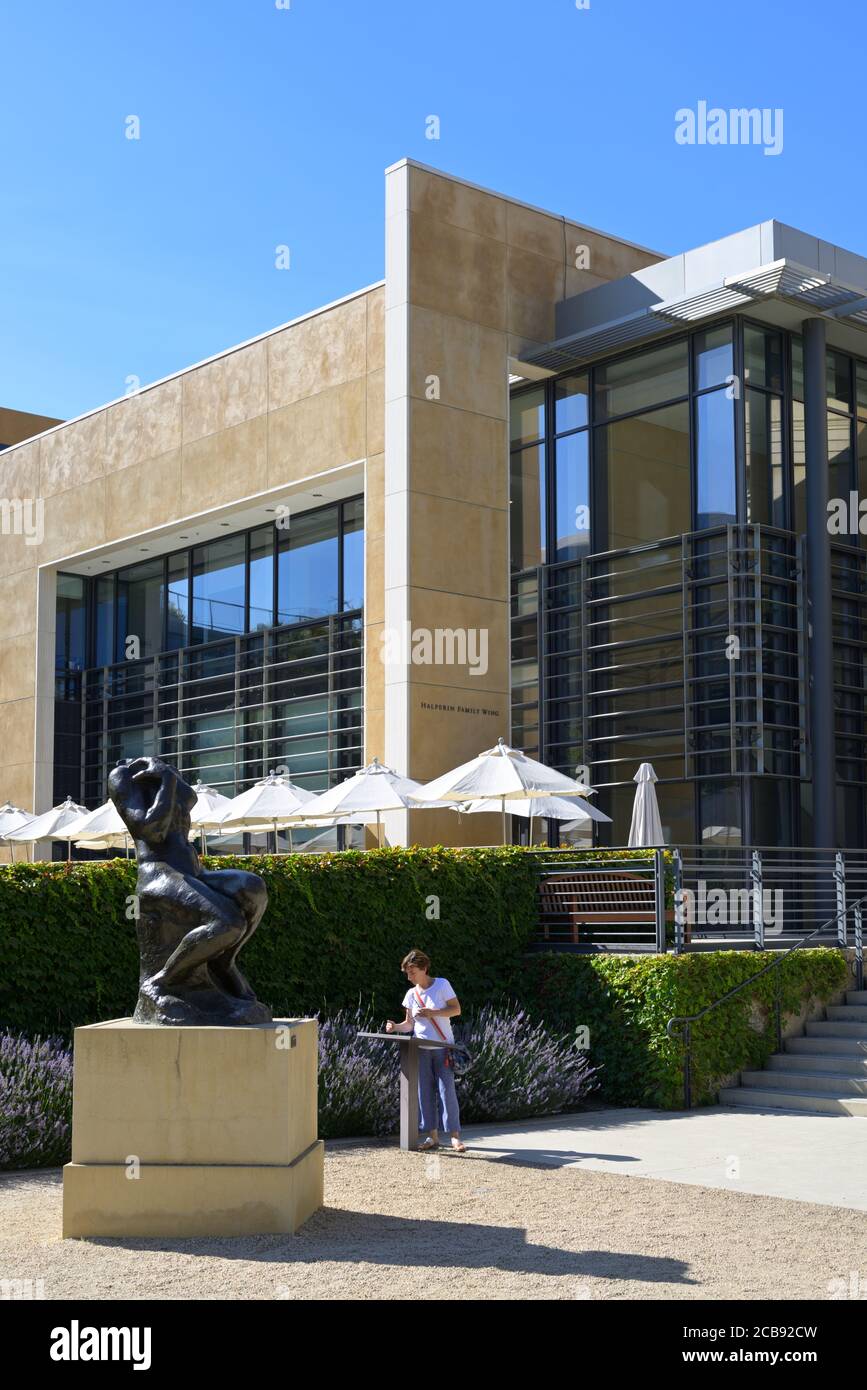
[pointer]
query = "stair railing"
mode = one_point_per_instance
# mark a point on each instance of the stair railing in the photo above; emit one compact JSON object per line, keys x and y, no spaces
{"x":683,"y":1023}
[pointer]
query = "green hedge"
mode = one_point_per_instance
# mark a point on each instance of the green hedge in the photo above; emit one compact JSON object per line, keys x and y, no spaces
{"x":626,"y":1002}
{"x":335,"y":931}
{"x":337,"y":927}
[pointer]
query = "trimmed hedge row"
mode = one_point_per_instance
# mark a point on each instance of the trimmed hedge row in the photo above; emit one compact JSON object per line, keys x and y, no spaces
{"x":337,"y":927}
{"x":335,"y":931}
{"x":626,"y":1002}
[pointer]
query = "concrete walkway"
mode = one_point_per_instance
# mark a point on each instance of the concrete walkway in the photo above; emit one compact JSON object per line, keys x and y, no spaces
{"x":807,"y":1158}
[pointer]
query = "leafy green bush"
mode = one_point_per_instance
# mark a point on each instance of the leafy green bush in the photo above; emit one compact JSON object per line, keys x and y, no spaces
{"x":626,"y":1002}
{"x":336,"y":928}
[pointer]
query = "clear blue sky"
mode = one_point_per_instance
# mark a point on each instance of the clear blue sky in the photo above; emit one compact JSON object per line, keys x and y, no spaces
{"x":263,"y":126}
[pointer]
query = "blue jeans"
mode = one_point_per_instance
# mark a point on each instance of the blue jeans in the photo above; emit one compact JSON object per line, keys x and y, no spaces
{"x":437,"y":1098}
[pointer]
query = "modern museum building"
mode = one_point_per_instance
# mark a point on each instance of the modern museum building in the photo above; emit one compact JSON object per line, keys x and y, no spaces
{"x":540,"y":483}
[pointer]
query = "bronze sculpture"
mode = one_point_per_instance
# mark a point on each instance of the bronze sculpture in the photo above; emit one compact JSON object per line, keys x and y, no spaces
{"x":191,"y":922}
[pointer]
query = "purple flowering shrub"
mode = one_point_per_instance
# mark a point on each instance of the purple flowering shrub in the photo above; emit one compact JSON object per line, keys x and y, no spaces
{"x":358,"y":1077}
{"x":35,"y":1102}
{"x":515,"y":1070}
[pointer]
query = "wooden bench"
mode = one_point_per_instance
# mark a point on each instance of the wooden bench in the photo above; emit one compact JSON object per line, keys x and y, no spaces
{"x":597,"y":898}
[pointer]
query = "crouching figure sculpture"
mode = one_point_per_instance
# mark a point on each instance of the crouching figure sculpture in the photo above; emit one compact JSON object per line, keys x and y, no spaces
{"x":191,"y":922}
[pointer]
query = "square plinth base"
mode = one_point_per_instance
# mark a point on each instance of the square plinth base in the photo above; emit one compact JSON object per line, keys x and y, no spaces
{"x":101,"y":1199}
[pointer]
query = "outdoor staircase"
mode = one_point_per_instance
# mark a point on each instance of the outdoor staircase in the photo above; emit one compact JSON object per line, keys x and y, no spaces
{"x":824,"y":1071}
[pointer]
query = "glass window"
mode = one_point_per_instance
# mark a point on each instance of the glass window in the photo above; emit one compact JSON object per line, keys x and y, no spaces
{"x":261,"y":578}
{"x":799,"y":466}
{"x":714,"y":361}
{"x":528,"y":416}
{"x":527,"y":509}
{"x":720,"y":814}
{"x":104,"y":620}
{"x":798,"y":368}
{"x":765,"y":500}
{"x":646,"y":480}
{"x":353,"y":554}
{"x":839,"y":456}
{"x":139,"y":611}
{"x":219,"y":607}
{"x":646,"y":379}
{"x":571,"y":403}
{"x":177,"y":602}
{"x":763,"y":358}
{"x":572,"y":497}
{"x":838,"y":379}
{"x":71,"y":631}
{"x":307,"y":578}
{"x":716,"y":503}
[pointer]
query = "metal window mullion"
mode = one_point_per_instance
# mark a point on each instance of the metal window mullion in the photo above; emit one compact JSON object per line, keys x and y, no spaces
{"x":757,"y":617}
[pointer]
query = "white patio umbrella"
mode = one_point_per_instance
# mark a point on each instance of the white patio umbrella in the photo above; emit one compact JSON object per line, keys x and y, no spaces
{"x":269,"y":805}
{"x":46,"y":826}
{"x":365,"y":795}
{"x":646,"y":827}
{"x":544,"y":808}
{"x":210,"y":806}
{"x":99,"y":829}
{"x":12,"y":818}
{"x":502,"y":774}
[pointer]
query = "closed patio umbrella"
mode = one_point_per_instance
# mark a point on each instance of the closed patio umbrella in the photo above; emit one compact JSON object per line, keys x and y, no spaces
{"x":47,"y":826}
{"x":646,"y":827}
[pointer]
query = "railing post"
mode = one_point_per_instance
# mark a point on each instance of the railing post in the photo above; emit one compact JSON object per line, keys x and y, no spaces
{"x":659,"y":883}
{"x":859,"y":949}
{"x":758,"y":914}
{"x":687,"y":1079}
{"x":679,"y":935}
{"x":840,"y":886}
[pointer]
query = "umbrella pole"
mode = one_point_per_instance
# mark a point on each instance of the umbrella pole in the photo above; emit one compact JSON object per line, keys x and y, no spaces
{"x":69,"y":851}
{"x":378,"y":831}
{"x":291,"y":846}
{"x":203,"y":839}
{"x":530,"y":840}
{"x":503,"y":803}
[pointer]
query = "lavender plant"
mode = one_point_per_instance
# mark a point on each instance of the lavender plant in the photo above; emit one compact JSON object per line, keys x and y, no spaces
{"x":517,"y":1070}
{"x":358,"y":1079}
{"x":35,"y":1102}
{"x":514,"y":1070}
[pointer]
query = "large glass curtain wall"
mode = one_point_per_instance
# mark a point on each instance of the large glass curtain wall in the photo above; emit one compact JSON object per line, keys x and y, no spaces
{"x":227,"y":658}
{"x":619,"y":627}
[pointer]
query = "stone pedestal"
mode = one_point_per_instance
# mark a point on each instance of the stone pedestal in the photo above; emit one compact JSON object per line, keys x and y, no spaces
{"x":193,"y":1131}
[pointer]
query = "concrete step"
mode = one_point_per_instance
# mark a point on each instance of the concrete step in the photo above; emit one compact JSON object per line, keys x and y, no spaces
{"x":856,"y":996}
{"x":828,"y":1047}
{"x":848,"y":1013}
{"x":831,"y":1083}
{"x":838,"y":1065}
{"x":836,"y":1028}
{"x":811,"y":1102}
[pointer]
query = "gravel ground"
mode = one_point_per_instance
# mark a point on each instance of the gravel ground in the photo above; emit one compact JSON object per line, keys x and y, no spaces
{"x":409,"y":1226}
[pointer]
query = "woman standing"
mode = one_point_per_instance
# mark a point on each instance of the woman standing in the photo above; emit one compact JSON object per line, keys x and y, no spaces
{"x":429,"y":1005}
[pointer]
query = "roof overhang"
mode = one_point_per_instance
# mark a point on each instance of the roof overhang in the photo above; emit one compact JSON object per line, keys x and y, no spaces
{"x":707,"y":283}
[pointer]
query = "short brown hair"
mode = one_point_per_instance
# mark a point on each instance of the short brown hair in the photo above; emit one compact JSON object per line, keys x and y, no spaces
{"x":416,"y":958}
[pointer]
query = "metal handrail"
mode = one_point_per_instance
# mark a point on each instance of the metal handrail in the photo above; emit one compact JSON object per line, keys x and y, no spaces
{"x":687,"y":1020}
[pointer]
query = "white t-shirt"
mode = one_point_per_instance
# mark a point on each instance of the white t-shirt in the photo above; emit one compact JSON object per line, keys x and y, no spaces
{"x":434,"y":996}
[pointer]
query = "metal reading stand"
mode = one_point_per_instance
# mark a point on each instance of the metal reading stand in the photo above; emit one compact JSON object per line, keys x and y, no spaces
{"x":409,"y":1080}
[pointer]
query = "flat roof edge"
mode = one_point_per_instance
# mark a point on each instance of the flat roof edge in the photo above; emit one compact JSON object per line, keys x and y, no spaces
{"x":519,"y":202}
{"x":205,"y":361}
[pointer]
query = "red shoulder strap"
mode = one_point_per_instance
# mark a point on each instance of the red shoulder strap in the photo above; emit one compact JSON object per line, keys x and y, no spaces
{"x":433,"y":1020}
